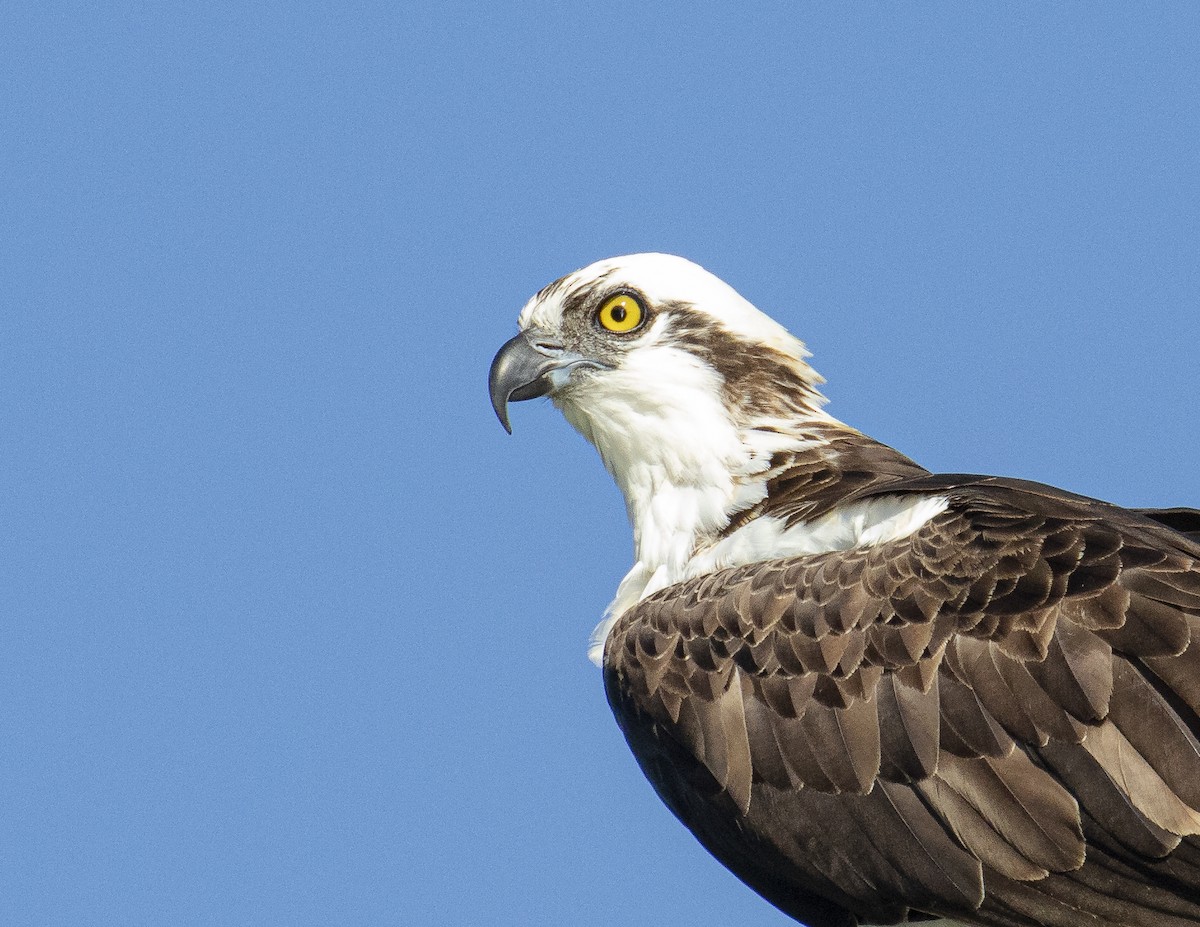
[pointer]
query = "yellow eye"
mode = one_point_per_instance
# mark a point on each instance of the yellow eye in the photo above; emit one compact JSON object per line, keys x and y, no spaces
{"x":621,"y":313}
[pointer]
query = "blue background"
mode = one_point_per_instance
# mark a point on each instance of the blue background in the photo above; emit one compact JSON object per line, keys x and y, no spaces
{"x":290,"y":631}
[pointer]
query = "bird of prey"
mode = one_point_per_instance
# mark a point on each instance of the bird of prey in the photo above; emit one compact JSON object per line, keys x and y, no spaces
{"x":876,"y":694}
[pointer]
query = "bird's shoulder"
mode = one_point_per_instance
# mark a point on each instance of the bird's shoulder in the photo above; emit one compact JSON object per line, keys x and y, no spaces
{"x":999,"y":553}
{"x":995,"y":621}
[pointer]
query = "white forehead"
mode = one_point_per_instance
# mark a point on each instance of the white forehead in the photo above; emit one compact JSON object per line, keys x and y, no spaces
{"x":663,"y":278}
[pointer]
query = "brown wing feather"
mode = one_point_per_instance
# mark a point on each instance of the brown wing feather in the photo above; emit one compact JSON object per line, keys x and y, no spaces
{"x":1185,"y":521}
{"x":1014,"y":689}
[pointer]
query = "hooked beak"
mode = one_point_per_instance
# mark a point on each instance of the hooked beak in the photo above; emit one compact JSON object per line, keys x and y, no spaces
{"x":528,"y":366}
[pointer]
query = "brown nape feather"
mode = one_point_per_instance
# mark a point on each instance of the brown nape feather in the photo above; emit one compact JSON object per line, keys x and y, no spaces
{"x":805,"y":484}
{"x":843,"y":465}
{"x":995,"y":719}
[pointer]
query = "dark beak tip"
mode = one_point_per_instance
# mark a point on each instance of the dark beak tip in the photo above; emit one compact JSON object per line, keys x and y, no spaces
{"x":500,"y":407}
{"x":498,"y":391}
{"x":517,"y":373}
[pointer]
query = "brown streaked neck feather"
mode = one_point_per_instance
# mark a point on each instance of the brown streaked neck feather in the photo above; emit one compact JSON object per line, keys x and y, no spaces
{"x":807,"y":483}
{"x":774,"y":391}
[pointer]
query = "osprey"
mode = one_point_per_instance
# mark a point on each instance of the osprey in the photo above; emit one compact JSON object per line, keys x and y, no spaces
{"x":876,"y":694}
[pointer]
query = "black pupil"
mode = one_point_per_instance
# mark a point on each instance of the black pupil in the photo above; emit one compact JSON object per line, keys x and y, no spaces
{"x":618,"y":314}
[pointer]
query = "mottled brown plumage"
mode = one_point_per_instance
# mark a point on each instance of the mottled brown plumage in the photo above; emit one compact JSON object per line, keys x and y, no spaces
{"x":993,"y":719}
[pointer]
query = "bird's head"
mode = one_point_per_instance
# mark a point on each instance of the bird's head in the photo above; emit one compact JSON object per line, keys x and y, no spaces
{"x":653,"y":336}
{"x":678,"y":381}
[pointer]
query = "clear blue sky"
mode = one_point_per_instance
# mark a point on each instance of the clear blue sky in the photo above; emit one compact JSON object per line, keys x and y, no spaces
{"x":290,"y":631}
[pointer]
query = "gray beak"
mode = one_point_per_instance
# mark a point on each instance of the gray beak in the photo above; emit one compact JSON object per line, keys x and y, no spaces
{"x":529,"y":366}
